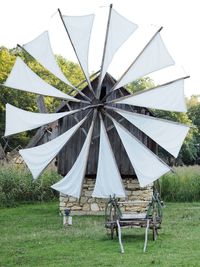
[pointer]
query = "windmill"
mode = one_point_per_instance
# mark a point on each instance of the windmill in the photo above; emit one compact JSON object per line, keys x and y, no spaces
{"x":100,"y":106}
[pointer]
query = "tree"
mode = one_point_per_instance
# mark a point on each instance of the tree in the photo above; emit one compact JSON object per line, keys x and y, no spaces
{"x":140,"y":84}
{"x":194,"y":115}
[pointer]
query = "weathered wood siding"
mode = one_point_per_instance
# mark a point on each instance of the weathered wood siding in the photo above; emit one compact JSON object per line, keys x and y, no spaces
{"x":71,"y":150}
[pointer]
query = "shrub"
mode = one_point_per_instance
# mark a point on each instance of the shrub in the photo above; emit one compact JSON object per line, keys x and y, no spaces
{"x":17,"y":185}
{"x":183,"y":185}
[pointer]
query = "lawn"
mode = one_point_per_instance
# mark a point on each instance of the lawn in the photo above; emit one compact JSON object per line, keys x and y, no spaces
{"x":33,"y":235}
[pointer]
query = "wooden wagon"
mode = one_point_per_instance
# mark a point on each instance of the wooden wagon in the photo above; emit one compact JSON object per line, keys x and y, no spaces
{"x":115,"y":219}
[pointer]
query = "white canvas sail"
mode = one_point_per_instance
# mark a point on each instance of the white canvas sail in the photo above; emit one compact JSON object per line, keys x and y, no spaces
{"x":19,"y":120}
{"x":169,"y":97}
{"x":154,"y":57}
{"x":119,"y":30}
{"x":169,"y":135}
{"x":40,"y":49}
{"x":147,"y":166}
{"x":37,"y":158}
{"x":71,"y":184}
{"x":79,"y":31}
{"x":108,"y":180}
{"x":23,"y":78}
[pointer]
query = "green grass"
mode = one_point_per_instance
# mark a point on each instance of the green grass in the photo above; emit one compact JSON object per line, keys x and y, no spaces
{"x":182,"y":185}
{"x":33,"y":235}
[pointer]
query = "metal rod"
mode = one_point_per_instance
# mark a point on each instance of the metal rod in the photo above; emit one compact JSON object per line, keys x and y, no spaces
{"x":88,"y":81}
{"x":73,"y":87}
{"x":115,"y":85}
{"x":146,"y":90}
{"x":104,"y":53}
{"x":146,"y":116}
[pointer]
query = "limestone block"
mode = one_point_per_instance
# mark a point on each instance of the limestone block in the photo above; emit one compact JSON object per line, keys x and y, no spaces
{"x":86,"y":207}
{"x":76,"y":208}
{"x":84,"y":200}
{"x":88,"y":193}
{"x":94,"y":207}
{"x":72,"y":199}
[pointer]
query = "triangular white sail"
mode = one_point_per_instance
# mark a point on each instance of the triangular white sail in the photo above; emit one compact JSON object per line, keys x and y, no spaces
{"x":23,"y":78}
{"x":71,"y":184}
{"x":169,"y":97}
{"x":154,"y":57}
{"x":79,"y":30}
{"x":169,"y":135}
{"x":108,"y":180}
{"x":147,"y":166}
{"x":19,"y":120}
{"x":37,"y":158}
{"x":119,"y":30}
{"x":40,"y":49}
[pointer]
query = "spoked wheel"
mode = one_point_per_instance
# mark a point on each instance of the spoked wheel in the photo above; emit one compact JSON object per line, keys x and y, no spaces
{"x":111,"y":220}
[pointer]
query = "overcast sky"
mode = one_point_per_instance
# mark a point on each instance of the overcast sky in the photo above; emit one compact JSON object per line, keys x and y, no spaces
{"x":23,"y":20}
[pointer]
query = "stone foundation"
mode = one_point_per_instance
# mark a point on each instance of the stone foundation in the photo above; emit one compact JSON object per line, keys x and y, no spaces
{"x":139,"y":197}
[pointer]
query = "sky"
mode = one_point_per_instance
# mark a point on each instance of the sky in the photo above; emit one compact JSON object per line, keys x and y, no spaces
{"x":21,"y":21}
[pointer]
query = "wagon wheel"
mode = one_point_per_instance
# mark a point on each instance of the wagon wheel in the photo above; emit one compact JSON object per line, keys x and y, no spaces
{"x":155,"y":214}
{"x":112,"y":213}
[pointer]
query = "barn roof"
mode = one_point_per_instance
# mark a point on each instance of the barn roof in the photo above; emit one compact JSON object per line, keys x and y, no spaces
{"x":85,"y":90}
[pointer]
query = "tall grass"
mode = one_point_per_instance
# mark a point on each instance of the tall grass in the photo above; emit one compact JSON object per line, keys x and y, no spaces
{"x":17,"y":185}
{"x":183,"y":185}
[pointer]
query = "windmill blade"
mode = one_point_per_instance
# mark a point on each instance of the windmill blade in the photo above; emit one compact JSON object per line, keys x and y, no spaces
{"x":40,"y":49}
{"x":118,"y":31}
{"x":170,"y":135}
{"x":19,"y":120}
{"x":37,"y":158}
{"x":153,"y":57}
{"x":71,"y":184}
{"x":168,"y":97}
{"x":148,"y":167}
{"x":23,"y":78}
{"x":79,"y":30}
{"x":108,"y":180}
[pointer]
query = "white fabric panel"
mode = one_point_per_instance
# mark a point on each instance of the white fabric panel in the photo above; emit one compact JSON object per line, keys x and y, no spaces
{"x":40,"y":49}
{"x":169,"y":97}
{"x":118,"y":32}
{"x":79,"y":29}
{"x":71,"y":184}
{"x":154,"y":57}
{"x":147,"y":166}
{"x":167,"y":134}
{"x":37,"y":158}
{"x":23,"y":78}
{"x":19,"y":120}
{"x":108,"y":180}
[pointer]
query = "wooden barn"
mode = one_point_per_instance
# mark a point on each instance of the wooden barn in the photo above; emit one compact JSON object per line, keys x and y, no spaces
{"x":70,"y":151}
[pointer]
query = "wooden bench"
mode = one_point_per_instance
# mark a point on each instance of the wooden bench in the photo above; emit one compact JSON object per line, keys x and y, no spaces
{"x":115,"y":220}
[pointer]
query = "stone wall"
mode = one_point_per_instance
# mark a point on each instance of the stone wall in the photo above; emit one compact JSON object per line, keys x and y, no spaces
{"x":139,"y":197}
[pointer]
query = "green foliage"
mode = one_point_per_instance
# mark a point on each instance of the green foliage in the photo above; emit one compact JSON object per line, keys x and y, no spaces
{"x":183,"y":185}
{"x":33,"y":235}
{"x":17,"y":185}
{"x":194,"y":115}
{"x":141,"y":84}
